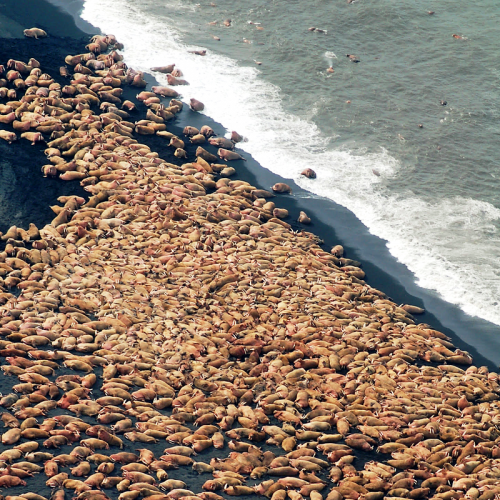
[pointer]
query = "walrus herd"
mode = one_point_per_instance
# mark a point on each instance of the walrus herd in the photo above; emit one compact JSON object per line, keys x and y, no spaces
{"x":173,"y":320}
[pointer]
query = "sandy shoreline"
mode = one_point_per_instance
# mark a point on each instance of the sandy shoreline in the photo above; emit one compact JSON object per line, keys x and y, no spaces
{"x":166,"y":307}
{"x":331,"y":222}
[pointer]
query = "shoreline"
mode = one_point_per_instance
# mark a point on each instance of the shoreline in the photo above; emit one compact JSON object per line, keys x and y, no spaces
{"x":334,"y":224}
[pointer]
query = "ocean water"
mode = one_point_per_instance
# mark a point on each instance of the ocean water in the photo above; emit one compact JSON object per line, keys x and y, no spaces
{"x":406,"y":138}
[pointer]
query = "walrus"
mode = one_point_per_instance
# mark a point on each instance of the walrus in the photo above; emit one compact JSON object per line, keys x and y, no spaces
{"x":95,"y":64}
{"x":198,"y":52}
{"x":164,"y":69}
{"x":35,"y":33}
{"x":12,"y":75}
{"x":227,"y":155}
{"x":8,"y":118}
{"x":196,"y":105}
{"x":49,"y":170}
{"x":412,"y":309}
{"x":281,"y":187}
{"x":309,"y":173}
{"x":221,"y":142}
{"x":164,"y":91}
{"x":337,"y":250}
{"x":128,"y":105}
{"x":303,"y":218}
{"x":191,"y":131}
{"x":145,"y":130}
{"x":227,"y":172}
{"x":207,"y":131}
{"x":72,"y":175}
{"x":280,"y":213}
{"x":33,"y":137}
{"x":235,"y":137}
{"x":164,"y":133}
{"x":8,"y":136}
{"x":176,"y":143}
{"x":198,"y":139}
{"x":172,"y":80}
{"x":180,"y":153}
{"x":209,"y":157}
{"x":21,"y":126}
{"x":18,"y":66}
{"x":138,"y":81}
{"x":142,"y":96}
{"x":262,"y":193}
{"x":176,"y":102}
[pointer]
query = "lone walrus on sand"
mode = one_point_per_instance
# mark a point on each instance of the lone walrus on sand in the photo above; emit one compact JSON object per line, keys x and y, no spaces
{"x":35,"y":33}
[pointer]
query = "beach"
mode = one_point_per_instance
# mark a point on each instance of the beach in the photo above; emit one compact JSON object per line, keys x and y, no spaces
{"x":195,"y":266}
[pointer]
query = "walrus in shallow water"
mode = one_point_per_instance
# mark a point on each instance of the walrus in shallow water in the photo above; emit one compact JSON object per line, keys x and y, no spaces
{"x":164,"y":69}
{"x":172,"y":80}
{"x":235,"y":137}
{"x":35,"y":33}
{"x":309,"y":172}
{"x":196,"y":105}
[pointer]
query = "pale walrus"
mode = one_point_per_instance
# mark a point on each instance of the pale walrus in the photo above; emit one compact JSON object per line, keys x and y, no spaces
{"x":7,"y":136}
{"x":35,"y":33}
{"x":164,"y":69}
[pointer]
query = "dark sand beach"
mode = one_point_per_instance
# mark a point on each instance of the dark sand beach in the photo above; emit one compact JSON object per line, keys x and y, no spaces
{"x":25,"y":196}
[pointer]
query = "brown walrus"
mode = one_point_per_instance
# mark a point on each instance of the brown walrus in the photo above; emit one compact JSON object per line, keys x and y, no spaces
{"x":196,"y":105}
{"x":281,"y":187}
{"x":309,"y":172}
{"x":164,"y":69}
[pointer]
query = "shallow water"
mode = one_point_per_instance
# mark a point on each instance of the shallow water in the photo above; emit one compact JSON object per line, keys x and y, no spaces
{"x":430,"y":191}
